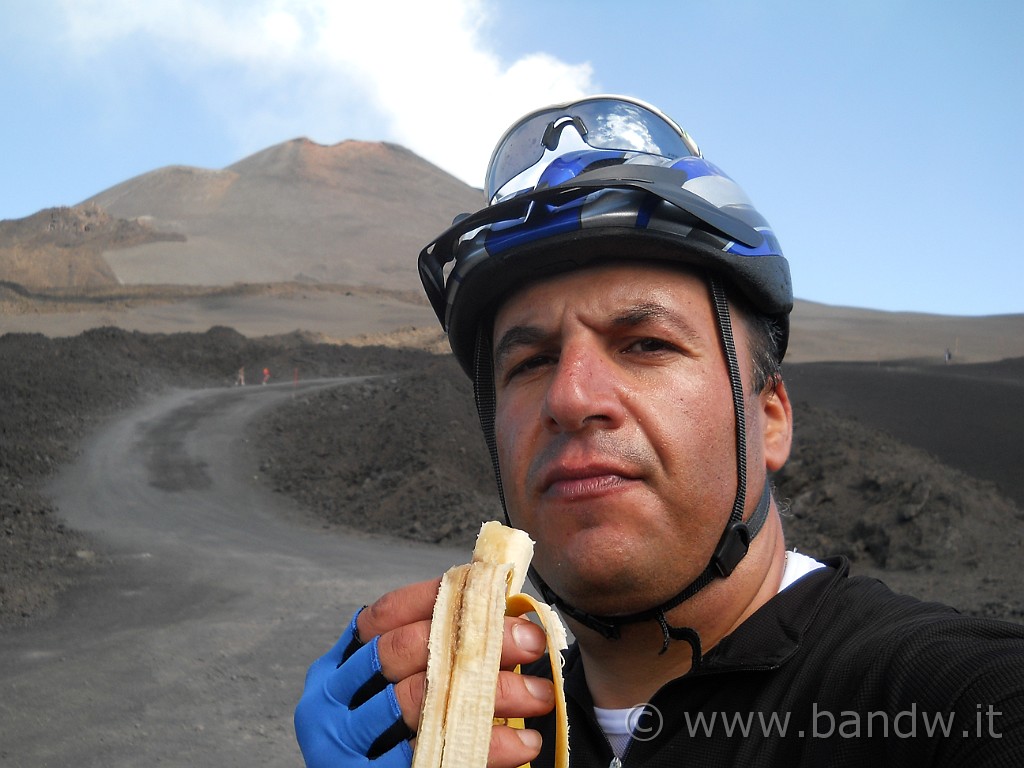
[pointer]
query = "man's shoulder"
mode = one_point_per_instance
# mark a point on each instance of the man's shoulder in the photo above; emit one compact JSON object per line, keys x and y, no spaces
{"x":867,"y":606}
{"x":861,"y":607}
{"x":863,"y":630}
{"x":832,"y":620}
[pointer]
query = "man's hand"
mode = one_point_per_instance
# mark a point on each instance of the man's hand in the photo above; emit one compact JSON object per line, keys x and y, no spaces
{"x":362,"y":699}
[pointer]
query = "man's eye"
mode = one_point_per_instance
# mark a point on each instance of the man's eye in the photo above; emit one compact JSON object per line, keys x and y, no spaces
{"x":529,"y":364}
{"x":650,"y":345}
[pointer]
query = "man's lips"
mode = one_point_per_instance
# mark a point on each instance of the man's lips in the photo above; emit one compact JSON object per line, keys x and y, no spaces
{"x":584,"y":480}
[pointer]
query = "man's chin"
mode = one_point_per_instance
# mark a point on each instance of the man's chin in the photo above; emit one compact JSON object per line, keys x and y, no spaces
{"x":609,"y":586}
{"x":604,"y":593}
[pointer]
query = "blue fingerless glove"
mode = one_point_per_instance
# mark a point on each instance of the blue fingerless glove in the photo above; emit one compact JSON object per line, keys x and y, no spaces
{"x":348,"y":714}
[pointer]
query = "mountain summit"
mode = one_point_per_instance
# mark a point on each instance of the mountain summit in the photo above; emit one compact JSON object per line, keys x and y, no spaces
{"x":355,"y":213}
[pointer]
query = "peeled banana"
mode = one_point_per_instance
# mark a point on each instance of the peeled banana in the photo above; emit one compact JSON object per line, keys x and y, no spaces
{"x":465,"y":651}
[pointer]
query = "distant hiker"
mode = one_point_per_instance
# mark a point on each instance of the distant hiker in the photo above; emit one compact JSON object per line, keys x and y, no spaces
{"x":949,"y":355}
{"x":240,"y":377}
{"x":266,"y":375}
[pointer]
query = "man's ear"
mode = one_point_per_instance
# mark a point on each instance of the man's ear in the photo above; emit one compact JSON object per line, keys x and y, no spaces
{"x":778,"y":424}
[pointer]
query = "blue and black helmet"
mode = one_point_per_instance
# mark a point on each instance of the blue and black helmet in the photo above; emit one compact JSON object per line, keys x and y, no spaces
{"x":604,"y":178}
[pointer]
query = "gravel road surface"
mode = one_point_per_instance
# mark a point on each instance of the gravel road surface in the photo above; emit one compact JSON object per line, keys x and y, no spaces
{"x":194,"y":655}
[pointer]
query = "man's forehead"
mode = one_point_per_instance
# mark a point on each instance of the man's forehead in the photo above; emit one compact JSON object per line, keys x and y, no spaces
{"x":610,"y":288}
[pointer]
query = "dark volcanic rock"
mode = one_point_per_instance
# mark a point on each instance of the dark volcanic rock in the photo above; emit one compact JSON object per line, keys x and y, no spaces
{"x":402,"y":453}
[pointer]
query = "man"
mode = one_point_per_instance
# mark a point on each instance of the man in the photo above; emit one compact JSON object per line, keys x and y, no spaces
{"x":622,"y":310}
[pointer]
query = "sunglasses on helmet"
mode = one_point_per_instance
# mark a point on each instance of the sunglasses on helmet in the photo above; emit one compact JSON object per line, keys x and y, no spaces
{"x":601,"y":122}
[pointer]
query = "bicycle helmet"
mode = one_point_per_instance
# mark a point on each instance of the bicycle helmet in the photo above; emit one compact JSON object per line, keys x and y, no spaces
{"x":601,"y":179}
{"x":605,"y":177}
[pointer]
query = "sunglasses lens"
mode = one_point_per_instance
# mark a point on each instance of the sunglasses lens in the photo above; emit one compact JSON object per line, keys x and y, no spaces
{"x":624,"y":126}
{"x":521,"y":148}
{"x":607,"y":123}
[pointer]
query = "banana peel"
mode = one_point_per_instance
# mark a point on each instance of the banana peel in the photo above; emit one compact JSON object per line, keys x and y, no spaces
{"x":464,"y":652}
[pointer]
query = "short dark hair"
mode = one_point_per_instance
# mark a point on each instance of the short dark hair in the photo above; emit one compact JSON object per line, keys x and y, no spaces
{"x":765,"y":337}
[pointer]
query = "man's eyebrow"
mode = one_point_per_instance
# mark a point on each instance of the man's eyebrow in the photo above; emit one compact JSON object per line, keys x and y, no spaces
{"x":517,"y":335}
{"x":632,"y":317}
{"x":650,"y":312}
{"x":642,"y":313}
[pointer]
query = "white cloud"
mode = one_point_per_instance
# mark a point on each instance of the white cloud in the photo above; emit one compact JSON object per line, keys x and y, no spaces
{"x":416,"y":73}
{"x":283,"y":31}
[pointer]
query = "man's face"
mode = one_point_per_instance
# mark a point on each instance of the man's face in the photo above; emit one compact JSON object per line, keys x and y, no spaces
{"x":616,"y":430}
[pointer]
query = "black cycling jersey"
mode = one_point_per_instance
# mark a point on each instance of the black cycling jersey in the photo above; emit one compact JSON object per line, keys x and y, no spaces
{"x":833,"y":671}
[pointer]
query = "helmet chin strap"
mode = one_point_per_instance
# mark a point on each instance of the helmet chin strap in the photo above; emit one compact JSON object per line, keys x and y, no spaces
{"x":735,"y":539}
{"x":610,"y":627}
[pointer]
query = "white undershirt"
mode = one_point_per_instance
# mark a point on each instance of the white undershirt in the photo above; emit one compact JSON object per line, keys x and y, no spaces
{"x":618,"y":724}
{"x":797,"y":566}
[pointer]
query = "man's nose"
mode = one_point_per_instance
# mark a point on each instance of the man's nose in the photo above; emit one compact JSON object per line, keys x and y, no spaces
{"x":582,"y":392}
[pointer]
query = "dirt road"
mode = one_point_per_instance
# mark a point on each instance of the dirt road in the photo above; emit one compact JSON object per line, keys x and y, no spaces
{"x":194,"y":655}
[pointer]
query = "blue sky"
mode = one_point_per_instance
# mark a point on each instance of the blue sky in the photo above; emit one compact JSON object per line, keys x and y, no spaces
{"x":881,"y":138}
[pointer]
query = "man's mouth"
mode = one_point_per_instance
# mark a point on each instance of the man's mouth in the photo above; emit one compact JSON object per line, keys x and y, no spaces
{"x":580,"y":481}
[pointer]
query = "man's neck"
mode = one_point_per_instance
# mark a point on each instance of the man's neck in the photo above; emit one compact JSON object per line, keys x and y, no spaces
{"x":629,"y":670}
